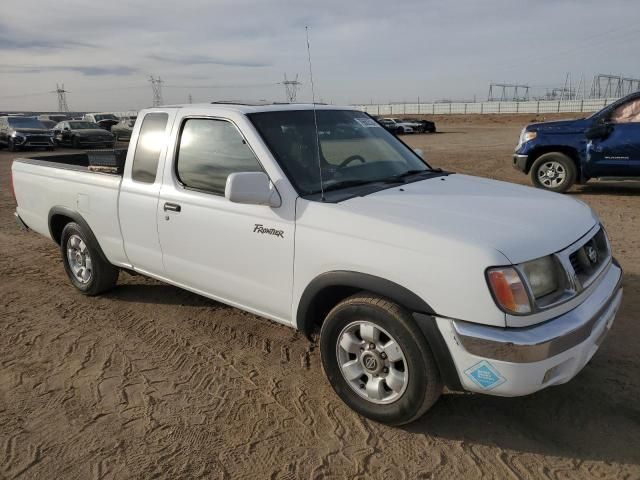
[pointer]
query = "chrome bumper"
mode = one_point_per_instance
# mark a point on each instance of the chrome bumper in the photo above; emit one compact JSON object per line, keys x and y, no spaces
{"x":540,"y":342}
{"x":520,"y":162}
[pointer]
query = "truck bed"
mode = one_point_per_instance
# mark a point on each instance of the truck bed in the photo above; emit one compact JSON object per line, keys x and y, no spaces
{"x":50,"y":184}
{"x":70,"y":161}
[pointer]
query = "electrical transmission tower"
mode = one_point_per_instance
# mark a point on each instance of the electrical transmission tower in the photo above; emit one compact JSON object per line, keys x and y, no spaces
{"x":611,"y":86}
{"x":510,"y":92}
{"x":62,"y":98}
{"x":291,"y":88}
{"x":156,"y":85}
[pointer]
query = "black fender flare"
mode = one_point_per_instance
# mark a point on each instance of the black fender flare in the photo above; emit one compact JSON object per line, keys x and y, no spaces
{"x":77,"y":218}
{"x":314,"y":305}
{"x":307,"y":312}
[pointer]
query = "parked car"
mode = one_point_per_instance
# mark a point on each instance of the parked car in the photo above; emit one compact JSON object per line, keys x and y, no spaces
{"x":604,"y":145}
{"x":105,"y":120}
{"x":397,"y":126}
{"x":57,"y":118}
{"x":124,"y":129}
{"x":19,"y":132}
{"x":81,"y":134}
{"x":390,"y":125}
{"x":422,"y":126}
{"x":213,"y":199}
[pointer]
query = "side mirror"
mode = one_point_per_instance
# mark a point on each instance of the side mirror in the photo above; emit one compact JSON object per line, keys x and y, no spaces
{"x":598,"y":131}
{"x":252,"y":188}
{"x":419,"y":152}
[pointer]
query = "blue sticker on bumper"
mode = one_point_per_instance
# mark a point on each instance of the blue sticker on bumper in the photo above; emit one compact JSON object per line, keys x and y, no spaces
{"x":485,"y":375}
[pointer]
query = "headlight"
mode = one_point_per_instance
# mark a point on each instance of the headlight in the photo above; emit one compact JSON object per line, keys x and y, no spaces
{"x":508,"y":290}
{"x":526,"y":136}
{"x":542,"y":276}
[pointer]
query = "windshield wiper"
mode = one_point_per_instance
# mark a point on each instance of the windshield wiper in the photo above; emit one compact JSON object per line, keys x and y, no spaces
{"x":347,"y":184}
{"x":410,"y":173}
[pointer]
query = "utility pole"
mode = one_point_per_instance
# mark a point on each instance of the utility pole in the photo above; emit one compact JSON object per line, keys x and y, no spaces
{"x":291,"y":88}
{"x":190,"y":99}
{"x":156,"y":85}
{"x":62,"y":98}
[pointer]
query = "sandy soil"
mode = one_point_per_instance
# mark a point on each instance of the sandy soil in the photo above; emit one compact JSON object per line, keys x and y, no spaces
{"x":150,"y":381}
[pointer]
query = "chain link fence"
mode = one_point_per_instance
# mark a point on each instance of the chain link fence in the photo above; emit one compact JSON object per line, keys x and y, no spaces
{"x":534,"y":106}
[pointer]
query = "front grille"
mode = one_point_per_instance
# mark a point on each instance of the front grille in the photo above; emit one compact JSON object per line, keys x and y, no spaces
{"x":590,"y":257}
{"x":38,"y":139}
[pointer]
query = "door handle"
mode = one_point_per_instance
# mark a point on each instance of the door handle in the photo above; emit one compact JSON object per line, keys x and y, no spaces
{"x":172,"y":207}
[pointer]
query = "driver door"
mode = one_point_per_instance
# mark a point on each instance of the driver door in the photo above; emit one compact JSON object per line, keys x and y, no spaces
{"x":240,"y":254}
{"x":619,"y":153}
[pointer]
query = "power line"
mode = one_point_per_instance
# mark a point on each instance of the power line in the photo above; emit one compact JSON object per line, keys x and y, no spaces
{"x":253,"y":85}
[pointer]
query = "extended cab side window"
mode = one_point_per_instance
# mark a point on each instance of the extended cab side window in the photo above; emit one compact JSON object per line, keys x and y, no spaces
{"x":209,"y":151}
{"x":151,"y":139}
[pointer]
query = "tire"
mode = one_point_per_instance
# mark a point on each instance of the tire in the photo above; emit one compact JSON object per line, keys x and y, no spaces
{"x":87,"y":269}
{"x":11,"y":146}
{"x":554,"y":171}
{"x":346,"y":350}
{"x":75,"y":143}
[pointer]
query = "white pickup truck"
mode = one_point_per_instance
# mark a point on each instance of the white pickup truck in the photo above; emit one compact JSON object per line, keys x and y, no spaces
{"x":320,"y":219}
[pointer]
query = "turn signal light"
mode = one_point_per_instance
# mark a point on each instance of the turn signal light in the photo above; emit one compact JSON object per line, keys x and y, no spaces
{"x":508,"y":290}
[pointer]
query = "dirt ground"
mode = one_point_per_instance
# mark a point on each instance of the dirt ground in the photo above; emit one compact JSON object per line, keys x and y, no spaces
{"x":149,"y":381}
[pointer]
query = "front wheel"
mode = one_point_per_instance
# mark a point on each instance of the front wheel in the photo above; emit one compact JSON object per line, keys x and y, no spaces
{"x":554,"y":171}
{"x":11,"y":146}
{"x":378,"y":361}
{"x":87,"y":269}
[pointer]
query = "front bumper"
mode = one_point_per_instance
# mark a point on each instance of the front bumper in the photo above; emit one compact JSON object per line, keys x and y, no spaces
{"x":85,"y":142}
{"x":520,"y":162}
{"x":33,"y":141}
{"x":520,"y":361}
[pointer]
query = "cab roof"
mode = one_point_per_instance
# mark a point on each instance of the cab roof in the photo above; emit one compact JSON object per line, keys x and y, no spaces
{"x":255,"y":107}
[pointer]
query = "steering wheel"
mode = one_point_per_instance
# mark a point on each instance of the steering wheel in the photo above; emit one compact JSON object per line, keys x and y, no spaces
{"x":350,"y":159}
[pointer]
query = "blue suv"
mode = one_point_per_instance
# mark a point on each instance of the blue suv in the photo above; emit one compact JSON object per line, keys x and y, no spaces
{"x":606,"y":144}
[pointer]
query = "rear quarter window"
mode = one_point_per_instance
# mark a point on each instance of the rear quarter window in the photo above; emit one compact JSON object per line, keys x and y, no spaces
{"x":151,"y":140}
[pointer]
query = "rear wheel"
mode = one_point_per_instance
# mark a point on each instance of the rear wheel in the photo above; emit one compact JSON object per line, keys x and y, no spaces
{"x":554,"y":171}
{"x":87,"y":269}
{"x":378,"y":361}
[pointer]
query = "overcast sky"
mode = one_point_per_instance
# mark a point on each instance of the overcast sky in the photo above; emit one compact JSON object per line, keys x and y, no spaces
{"x":383,"y":51}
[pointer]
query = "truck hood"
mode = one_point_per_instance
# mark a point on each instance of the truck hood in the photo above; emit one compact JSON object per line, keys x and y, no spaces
{"x":522,"y":223}
{"x":31,"y":130}
{"x":561,"y":126}
{"x":92,"y":132}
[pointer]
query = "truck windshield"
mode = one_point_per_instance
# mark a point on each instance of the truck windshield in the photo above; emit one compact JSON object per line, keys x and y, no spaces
{"x":25,"y":122}
{"x":353,"y":148}
{"x":84,"y":126}
{"x":105,"y":116}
